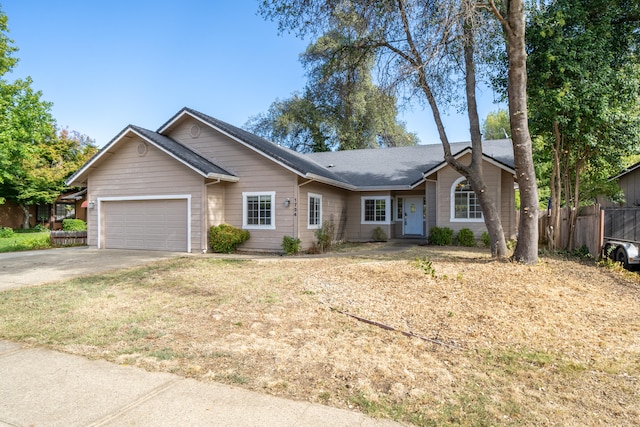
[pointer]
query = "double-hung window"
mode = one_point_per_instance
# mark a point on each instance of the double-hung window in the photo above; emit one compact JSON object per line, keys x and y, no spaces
{"x":376,"y":210}
{"x":258,"y":210}
{"x":315,"y":211}
{"x":464,"y":203}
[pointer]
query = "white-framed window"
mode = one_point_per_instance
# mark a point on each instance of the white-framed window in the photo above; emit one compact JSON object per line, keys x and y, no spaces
{"x":464,"y":203}
{"x":376,"y":209}
{"x":315,"y":211}
{"x":399,"y":209}
{"x":258,"y":210}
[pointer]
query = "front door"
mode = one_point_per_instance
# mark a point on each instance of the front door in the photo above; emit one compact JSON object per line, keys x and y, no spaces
{"x":413,"y":215}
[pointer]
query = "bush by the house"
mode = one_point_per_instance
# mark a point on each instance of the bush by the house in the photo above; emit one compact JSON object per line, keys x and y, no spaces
{"x":379,"y":235}
{"x":485,"y":239}
{"x":70,"y":224}
{"x":290,"y":245}
{"x":440,"y":236}
{"x":465,"y":237}
{"x":6,"y":232}
{"x":224,"y":238}
{"x":325,"y":235}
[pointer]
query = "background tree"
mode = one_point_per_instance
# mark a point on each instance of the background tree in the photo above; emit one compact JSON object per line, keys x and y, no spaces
{"x":429,"y":49}
{"x":584,"y":90}
{"x":496,"y":125}
{"x":341,"y":107}
{"x":34,"y":158}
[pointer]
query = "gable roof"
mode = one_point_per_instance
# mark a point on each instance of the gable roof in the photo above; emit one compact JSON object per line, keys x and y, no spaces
{"x":367,"y":169}
{"x":292,"y":160}
{"x":180,"y":152}
{"x":627,"y":171}
{"x":404,"y":167}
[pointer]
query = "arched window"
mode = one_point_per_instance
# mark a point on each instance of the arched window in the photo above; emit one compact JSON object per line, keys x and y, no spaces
{"x":464,"y":202}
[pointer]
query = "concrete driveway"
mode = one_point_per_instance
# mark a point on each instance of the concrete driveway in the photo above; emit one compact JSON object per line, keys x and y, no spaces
{"x":37,"y":267}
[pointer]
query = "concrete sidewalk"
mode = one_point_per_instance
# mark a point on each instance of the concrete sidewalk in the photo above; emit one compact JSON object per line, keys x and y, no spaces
{"x":40,"y":387}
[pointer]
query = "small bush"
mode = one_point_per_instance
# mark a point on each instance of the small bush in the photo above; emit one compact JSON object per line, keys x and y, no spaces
{"x":485,"y":239}
{"x":465,"y":237}
{"x":224,"y":238}
{"x":325,"y":235}
{"x":379,"y":235}
{"x":440,"y":236}
{"x":74,"y":225}
{"x":290,"y":245}
{"x":6,"y":232}
{"x":40,"y":227}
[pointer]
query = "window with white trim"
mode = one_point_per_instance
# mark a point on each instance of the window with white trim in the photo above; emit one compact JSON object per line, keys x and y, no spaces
{"x":376,"y":210}
{"x":399,"y":208}
{"x":315,"y":211}
{"x":464,"y":202}
{"x":258,"y":210}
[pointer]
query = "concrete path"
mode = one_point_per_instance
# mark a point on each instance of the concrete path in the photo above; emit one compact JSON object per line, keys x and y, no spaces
{"x":40,"y":387}
{"x":31,"y":268}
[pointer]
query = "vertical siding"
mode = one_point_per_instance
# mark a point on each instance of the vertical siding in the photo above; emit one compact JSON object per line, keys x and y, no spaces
{"x":125,"y":173}
{"x":256,"y":173}
{"x":334,"y":210}
{"x":630,"y":185}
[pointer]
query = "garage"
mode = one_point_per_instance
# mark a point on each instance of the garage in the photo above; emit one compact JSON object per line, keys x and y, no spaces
{"x":149,"y":224}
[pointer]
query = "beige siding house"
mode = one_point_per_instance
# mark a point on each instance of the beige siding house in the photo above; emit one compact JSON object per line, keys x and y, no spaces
{"x":163,"y":190}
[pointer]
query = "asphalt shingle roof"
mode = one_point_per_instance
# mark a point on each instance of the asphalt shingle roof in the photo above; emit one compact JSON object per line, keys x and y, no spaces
{"x":182,"y":152}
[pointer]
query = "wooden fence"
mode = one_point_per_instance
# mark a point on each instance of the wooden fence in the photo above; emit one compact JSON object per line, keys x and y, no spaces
{"x":68,"y":238}
{"x":589,"y":228}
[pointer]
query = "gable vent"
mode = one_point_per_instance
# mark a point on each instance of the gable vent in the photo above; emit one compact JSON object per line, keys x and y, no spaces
{"x":194,"y":131}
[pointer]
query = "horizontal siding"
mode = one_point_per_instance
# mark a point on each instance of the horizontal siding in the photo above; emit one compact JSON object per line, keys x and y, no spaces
{"x":125,"y":173}
{"x":357,"y":232}
{"x":508,"y":206}
{"x":334,"y":210}
{"x":256,"y":173}
{"x":494,"y":180}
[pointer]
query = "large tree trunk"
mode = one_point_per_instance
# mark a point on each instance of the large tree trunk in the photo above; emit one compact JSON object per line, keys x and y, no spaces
{"x":513,"y":25}
{"x":25,"y":216}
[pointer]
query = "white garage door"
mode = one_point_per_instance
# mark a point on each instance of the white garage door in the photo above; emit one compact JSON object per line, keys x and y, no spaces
{"x":159,"y":225}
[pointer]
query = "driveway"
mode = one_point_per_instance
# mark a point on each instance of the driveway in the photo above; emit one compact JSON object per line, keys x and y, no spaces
{"x":37,"y":267}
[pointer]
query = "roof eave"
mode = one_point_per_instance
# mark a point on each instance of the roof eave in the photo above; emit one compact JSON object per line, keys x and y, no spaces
{"x":330,"y":181}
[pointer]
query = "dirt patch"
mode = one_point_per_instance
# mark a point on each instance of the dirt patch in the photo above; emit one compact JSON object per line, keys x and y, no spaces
{"x":556,"y":343}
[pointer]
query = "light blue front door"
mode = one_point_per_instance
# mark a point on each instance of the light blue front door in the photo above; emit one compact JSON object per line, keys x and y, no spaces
{"x":413,"y":215}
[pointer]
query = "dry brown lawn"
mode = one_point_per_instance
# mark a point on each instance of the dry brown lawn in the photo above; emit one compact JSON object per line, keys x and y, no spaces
{"x":491,"y":342}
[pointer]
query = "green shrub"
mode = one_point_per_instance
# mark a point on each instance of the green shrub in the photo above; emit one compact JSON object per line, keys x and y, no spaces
{"x":224,"y":238}
{"x":6,"y":232}
{"x":440,"y":236}
{"x":379,"y":235}
{"x":485,"y":239}
{"x":74,"y":225}
{"x":324,"y":235}
{"x":290,"y":245}
{"x":465,"y":237}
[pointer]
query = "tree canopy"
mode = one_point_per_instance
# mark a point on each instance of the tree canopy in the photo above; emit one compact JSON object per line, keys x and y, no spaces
{"x":496,"y":125}
{"x":341,"y":107}
{"x":584,"y":93}
{"x":35,"y":158}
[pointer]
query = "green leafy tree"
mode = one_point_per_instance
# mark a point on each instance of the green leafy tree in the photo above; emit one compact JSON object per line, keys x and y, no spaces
{"x":584,"y":92}
{"x":34,"y":158}
{"x":341,"y":107}
{"x":429,"y":50}
{"x":496,"y":125}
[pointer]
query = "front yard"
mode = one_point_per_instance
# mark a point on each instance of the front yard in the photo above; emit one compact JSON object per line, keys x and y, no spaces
{"x":452,"y":338}
{"x":25,"y":241}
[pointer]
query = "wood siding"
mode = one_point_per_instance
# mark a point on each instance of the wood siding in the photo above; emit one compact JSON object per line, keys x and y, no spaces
{"x":127,"y":174}
{"x":499,"y":190}
{"x":257,"y":174}
{"x":334,"y":210}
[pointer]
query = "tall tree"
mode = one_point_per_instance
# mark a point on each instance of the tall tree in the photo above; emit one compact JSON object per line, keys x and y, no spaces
{"x":341,"y":107}
{"x":496,"y":125}
{"x":34,"y":159}
{"x":424,"y":47}
{"x":584,"y":89}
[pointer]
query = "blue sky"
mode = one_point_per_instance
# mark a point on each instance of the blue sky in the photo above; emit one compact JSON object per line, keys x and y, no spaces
{"x":107,"y":64}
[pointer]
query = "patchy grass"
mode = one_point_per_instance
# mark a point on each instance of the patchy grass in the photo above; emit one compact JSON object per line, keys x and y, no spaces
{"x":25,"y":242}
{"x":491,"y":342}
